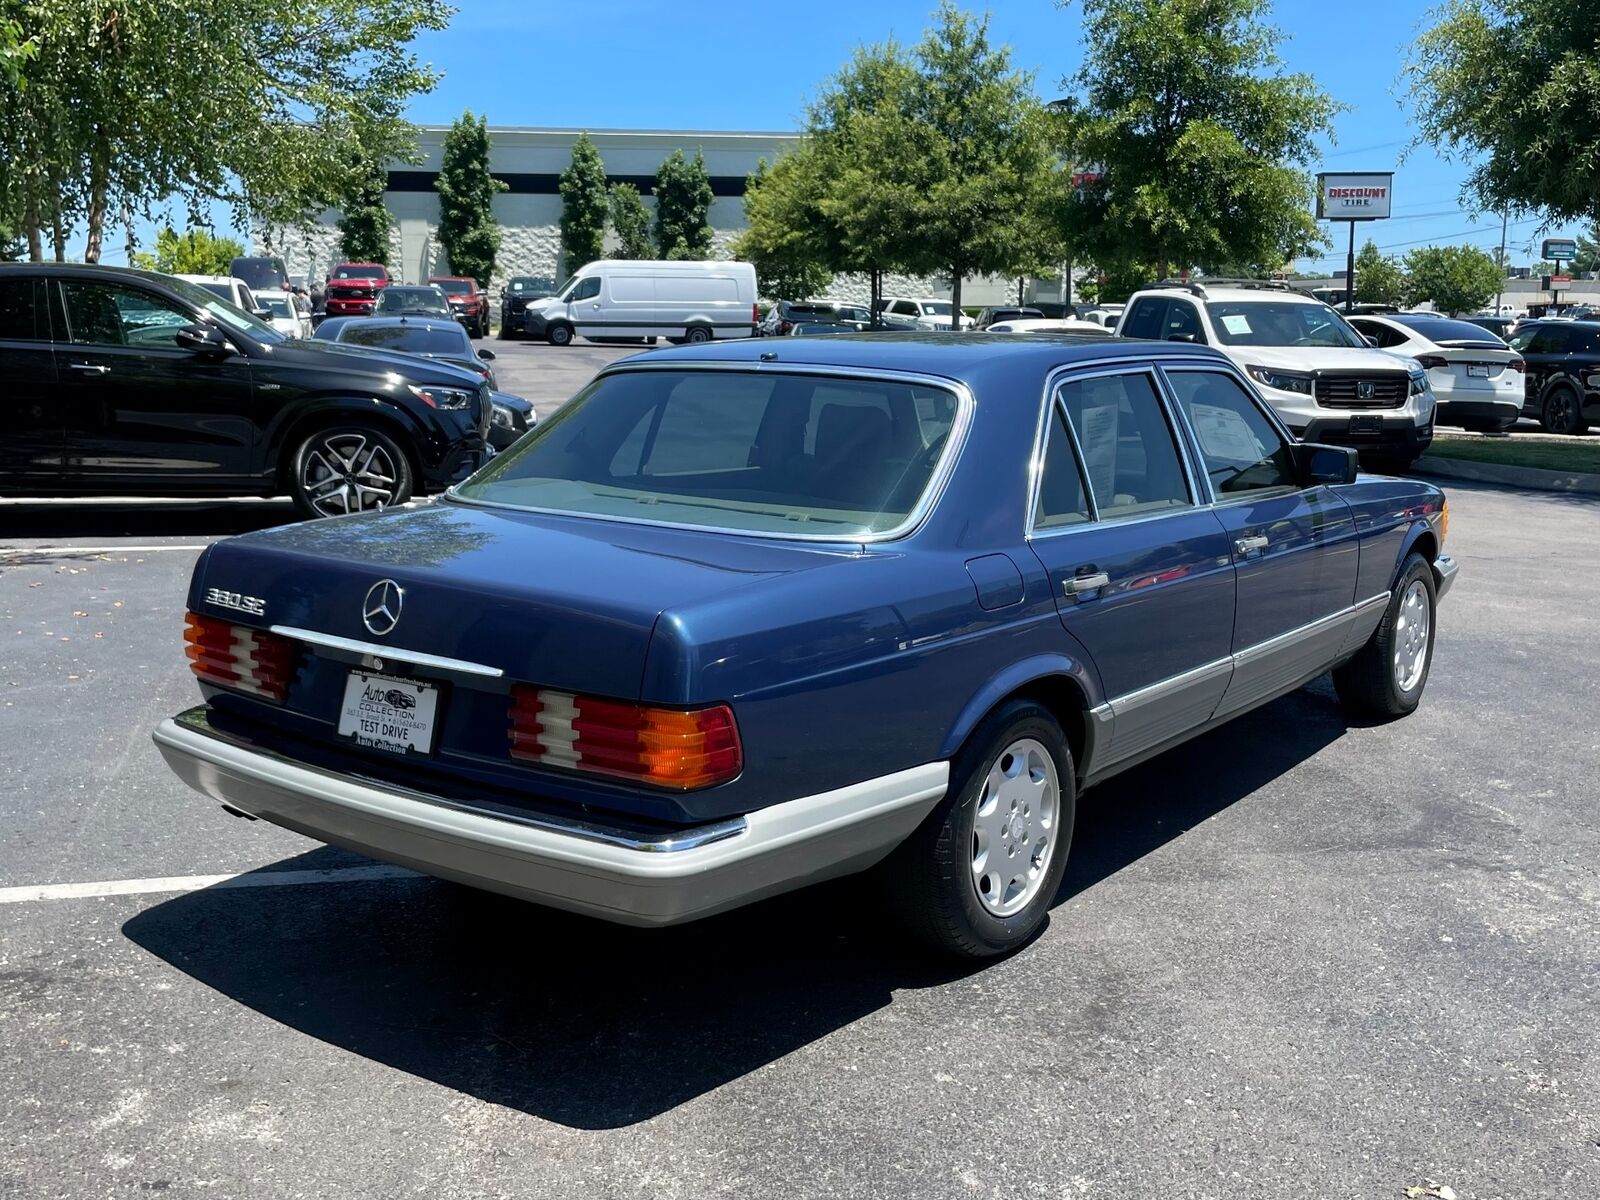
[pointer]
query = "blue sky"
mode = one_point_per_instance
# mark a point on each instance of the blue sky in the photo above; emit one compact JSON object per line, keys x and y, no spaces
{"x":648,"y":64}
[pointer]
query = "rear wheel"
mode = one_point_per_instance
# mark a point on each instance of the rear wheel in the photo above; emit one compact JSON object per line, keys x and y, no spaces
{"x":1563,"y":412}
{"x":697,"y":335}
{"x":1387,"y":675}
{"x":346,"y":469}
{"x":559,"y":335}
{"x":979,"y":875}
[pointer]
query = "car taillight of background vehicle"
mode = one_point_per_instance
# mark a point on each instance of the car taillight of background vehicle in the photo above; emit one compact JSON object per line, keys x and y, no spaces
{"x":1429,"y":361}
{"x":666,"y":747}
{"x":235,"y":656}
{"x":755,"y":314}
{"x":1518,"y":364}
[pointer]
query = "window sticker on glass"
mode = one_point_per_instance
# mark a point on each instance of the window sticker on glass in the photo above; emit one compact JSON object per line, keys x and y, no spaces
{"x":1097,"y":430}
{"x":1224,"y":434}
{"x":1236,"y":323}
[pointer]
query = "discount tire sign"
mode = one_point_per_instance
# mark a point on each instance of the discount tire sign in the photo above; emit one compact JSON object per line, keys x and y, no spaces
{"x":1354,"y":197}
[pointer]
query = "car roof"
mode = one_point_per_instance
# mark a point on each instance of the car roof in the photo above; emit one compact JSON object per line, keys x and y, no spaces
{"x":961,"y":357}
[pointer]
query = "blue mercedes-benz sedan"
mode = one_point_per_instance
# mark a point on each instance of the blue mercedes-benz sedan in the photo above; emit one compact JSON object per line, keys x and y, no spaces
{"x":740,"y":618}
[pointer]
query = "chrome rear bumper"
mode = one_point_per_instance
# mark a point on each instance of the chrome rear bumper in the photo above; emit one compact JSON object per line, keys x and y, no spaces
{"x":654,"y":879}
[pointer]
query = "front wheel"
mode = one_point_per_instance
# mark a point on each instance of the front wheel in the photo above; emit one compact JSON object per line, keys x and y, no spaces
{"x":978,"y":876}
{"x":559,"y":335}
{"x":1387,"y":675}
{"x":348,"y":469}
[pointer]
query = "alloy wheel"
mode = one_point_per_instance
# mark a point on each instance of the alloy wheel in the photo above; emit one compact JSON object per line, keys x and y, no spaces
{"x":1411,"y":637}
{"x":1014,"y":827}
{"x":348,"y":472}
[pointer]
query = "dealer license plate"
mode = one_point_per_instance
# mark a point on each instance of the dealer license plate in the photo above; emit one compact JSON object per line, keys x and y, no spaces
{"x":390,"y":714}
{"x":1366,"y":424}
{"x":1477,"y":371}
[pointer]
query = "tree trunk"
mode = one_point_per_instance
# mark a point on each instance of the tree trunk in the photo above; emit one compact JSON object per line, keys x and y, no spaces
{"x":955,"y":301}
{"x":99,"y":171}
{"x":30,"y":221}
{"x":1022,"y":282}
{"x":58,"y":228}
{"x":127,"y":225}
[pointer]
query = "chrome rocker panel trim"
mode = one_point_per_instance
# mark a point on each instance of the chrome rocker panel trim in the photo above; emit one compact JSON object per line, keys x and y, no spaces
{"x":618,"y":876}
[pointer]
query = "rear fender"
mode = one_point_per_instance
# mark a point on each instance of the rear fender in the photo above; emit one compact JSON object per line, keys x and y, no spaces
{"x":1041,"y":668}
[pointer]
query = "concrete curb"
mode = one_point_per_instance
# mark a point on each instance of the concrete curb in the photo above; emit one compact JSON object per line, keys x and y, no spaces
{"x":1523,"y":477}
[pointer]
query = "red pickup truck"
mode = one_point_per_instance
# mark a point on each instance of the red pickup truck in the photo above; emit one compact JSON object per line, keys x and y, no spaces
{"x":353,"y":289}
{"x":470,"y":306}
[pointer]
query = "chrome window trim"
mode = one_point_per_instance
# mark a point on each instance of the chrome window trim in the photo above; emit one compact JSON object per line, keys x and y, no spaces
{"x":1057,"y":378}
{"x":415,"y":658}
{"x":955,"y":443}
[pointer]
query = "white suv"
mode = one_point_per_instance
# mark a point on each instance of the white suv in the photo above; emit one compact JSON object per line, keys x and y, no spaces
{"x":929,"y":312}
{"x":1324,"y":379}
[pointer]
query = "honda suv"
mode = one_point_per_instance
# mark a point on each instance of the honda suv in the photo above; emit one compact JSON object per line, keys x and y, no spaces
{"x":353,"y":289}
{"x":1324,"y":379}
{"x":123,"y":382}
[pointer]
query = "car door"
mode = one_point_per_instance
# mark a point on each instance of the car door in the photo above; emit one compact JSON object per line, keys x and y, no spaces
{"x":136,"y":406}
{"x":1296,"y":549}
{"x":31,"y":427}
{"x":584,"y":308}
{"x":1544,"y":350}
{"x":1140,"y":569}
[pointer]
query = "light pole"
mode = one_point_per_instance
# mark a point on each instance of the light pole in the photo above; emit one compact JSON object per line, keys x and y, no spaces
{"x":1500,"y":295}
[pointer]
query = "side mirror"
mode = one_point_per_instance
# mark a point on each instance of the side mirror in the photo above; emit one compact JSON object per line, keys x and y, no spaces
{"x":1316,"y":463}
{"x":1181,"y":337}
{"x":1371,"y":341}
{"x":486,"y":355}
{"x":202,"y":339}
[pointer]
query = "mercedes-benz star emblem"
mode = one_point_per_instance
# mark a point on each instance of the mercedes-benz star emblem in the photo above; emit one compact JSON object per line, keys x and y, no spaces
{"x":381,"y":610}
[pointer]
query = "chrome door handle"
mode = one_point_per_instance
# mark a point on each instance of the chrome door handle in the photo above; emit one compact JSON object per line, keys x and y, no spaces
{"x":1250,"y":545}
{"x":91,"y":368}
{"x":1077,"y":585}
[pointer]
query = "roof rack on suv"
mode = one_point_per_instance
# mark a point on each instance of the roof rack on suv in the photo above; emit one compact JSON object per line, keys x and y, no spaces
{"x":1198,"y":287}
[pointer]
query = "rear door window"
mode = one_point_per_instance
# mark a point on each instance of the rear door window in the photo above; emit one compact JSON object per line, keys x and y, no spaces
{"x":1146,"y":320}
{"x":1062,"y":499}
{"x":112,"y":314}
{"x":1129,"y":451}
{"x":18,"y":319}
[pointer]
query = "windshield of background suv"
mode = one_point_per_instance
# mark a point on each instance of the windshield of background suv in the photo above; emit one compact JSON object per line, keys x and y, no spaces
{"x":393,"y":299}
{"x":260,"y":274}
{"x":758,"y":453}
{"x":349,"y":272}
{"x":936,"y":309}
{"x":224,"y":311}
{"x":410,"y":339}
{"x":1280,"y":323}
{"x":278,"y":306}
{"x":454,"y":287}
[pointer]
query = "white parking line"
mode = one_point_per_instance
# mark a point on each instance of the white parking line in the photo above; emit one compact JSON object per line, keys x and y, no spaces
{"x":355,"y":873}
{"x":95,"y":549}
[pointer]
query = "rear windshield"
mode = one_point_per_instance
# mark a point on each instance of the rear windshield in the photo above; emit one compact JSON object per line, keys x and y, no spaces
{"x":1442,"y":329}
{"x":758,"y":453}
{"x":393,"y":297}
{"x":935,"y":308}
{"x":1277,"y":323}
{"x":411,"y":341}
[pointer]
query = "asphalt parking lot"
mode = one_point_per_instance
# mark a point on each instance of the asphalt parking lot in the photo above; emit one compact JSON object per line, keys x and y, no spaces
{"x":1296,"y":957}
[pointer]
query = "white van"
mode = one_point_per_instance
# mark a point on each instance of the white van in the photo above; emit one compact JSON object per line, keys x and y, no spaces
{"x":626,"y":298}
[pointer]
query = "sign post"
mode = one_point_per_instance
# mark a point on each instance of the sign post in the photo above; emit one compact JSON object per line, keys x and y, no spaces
{"x":1354,"y":197}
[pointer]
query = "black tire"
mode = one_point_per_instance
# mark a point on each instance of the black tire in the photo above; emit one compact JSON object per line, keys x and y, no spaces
{"x":930,"y":878}
{"x":371,"y":456}
{"x":505,"y":332}
{"x":483,"y":326}
{"x":1562,"y":411}
{"x":697,"y":335}
{"x":559,"y":334}
{"x":1368,"y":684}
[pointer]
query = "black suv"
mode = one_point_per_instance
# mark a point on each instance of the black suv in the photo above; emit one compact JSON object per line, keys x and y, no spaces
{"x":122,"y":382}
{"x":514,"y":297}
{"x":1563,"y":377}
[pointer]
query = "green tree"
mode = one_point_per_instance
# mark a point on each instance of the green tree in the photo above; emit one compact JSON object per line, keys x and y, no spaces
{"x":262,"y":105}
{"x":1200,"y":136}
{"x":467,"y":228}
{"x":631,"y":220}
{"x":1588,"y":250}
{"x":1379,"y":280}
{"x":1458,"y":279}
{"x":1509,"y":85}
{"x":683,"y":201}
{"x":364,"y":222}
{"x":197,"y":252}
{"x":781,"y":240}
{"x":584,"y":205}
{"x":975,"y":134}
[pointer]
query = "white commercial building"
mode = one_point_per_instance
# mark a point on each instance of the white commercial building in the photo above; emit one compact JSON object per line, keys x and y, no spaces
{"x":530,"y":161}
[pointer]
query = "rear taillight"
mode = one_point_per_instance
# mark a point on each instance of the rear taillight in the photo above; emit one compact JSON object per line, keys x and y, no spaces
{"x":1429,"y":361}
{"x":1518,"y":364}
{"x":667,"y":747}
{"x":234,"y":656}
